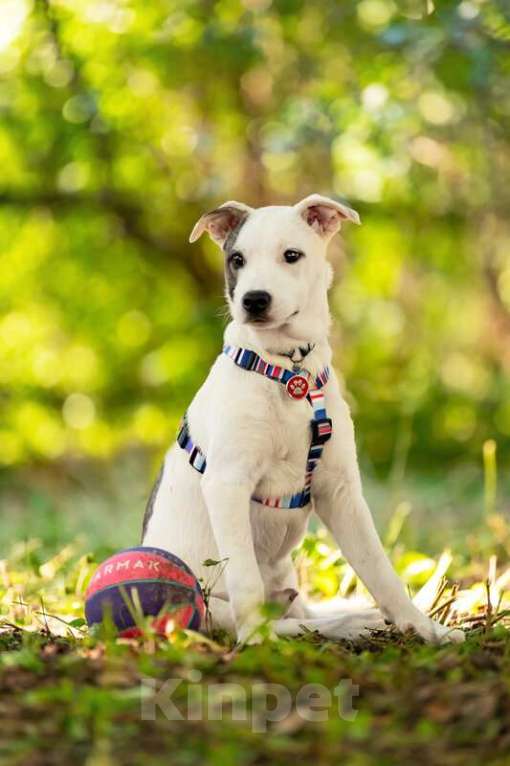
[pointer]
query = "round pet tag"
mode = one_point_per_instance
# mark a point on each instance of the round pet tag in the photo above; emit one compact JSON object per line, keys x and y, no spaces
{"x":297,"y":387}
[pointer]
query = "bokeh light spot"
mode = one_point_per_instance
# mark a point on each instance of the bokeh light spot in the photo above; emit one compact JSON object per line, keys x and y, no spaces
{"x":426,"y":151}
{"x":436,"y":108}
{"x":133,"y":329}
{"x":73,"y":177}
{"x":78,"y":109}
{"x":78,"y":411}
{"x":468,"y":10}
{"x":374,"y":97}
{"x":375,"y":13}
{"x":13,"y":14}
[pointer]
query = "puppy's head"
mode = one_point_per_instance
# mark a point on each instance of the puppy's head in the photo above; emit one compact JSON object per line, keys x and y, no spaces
{"x":274,"y":256}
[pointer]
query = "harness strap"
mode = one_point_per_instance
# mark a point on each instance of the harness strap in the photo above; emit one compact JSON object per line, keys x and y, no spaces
{"x":321,"y":426}
{"x":251,"y":361}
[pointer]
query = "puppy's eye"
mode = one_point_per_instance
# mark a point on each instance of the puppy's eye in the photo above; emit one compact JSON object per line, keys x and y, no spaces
{"x":291,"y":256}
{"x":237,"y":260}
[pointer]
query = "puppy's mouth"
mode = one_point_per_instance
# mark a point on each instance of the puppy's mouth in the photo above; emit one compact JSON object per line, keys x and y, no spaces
{"x":267,"y":322}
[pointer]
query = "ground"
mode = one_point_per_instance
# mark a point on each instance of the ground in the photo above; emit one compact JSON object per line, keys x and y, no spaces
{"x":72,"y":696}
{"x":63,"y":702}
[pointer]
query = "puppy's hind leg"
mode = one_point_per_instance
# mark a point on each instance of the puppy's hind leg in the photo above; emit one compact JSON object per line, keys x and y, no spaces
{"x":337,"y":607}
{"x":220,"y":615}
{"x":352,"y":625}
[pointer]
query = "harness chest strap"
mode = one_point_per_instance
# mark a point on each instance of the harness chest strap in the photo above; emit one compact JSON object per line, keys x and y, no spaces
{"x":321,"y":426}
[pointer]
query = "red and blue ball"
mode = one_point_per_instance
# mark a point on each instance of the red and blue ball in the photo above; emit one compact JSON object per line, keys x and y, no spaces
{"x":166,"y":589}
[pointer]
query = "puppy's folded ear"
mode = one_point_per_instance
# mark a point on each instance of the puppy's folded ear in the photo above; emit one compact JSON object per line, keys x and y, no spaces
{"x":325,"y":215}
{"x":219,"y":223}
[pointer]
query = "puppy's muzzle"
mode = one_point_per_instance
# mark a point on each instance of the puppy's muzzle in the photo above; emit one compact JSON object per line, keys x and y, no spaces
{"x":256,"y":303}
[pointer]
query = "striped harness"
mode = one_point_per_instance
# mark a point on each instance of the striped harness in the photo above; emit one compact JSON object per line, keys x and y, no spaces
{"x":296,"y":383}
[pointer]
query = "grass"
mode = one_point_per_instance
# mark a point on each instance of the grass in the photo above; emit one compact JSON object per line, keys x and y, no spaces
{"x":68,"y":695}
{"x":71,"y":696}
{"x":66,"y":700}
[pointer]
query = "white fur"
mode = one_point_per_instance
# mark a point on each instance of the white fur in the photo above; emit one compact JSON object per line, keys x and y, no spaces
{"x":256,"y":440}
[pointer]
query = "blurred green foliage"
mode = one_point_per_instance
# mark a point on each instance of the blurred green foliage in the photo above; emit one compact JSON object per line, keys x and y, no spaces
{"x":121,"y":122}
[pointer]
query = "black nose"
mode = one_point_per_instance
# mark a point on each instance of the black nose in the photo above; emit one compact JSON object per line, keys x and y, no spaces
{"x":255,"y":302}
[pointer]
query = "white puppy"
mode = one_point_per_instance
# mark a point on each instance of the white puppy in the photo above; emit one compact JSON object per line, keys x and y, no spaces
{"x":248,"y":436}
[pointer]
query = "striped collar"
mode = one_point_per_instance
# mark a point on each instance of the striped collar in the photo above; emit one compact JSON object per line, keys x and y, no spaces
{"x":249,"y":360}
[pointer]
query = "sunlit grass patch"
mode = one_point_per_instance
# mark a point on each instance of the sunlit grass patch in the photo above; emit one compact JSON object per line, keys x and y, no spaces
{"x":69,"y":693}
{"x":46,"y":594}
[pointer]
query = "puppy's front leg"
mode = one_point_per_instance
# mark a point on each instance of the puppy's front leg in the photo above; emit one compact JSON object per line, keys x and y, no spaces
{"x":341,"y":506}
{"x":228,"y":504}
{"x":347,"y":515}
{"x":227,"y":486}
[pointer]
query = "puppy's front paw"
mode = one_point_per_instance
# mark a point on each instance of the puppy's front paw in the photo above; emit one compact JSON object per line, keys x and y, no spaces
{"x":447,"y":635}
{"x":430,"y":630}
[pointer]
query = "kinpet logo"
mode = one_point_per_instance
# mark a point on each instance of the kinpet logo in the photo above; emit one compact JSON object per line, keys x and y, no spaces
{"x":262,"y":704}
